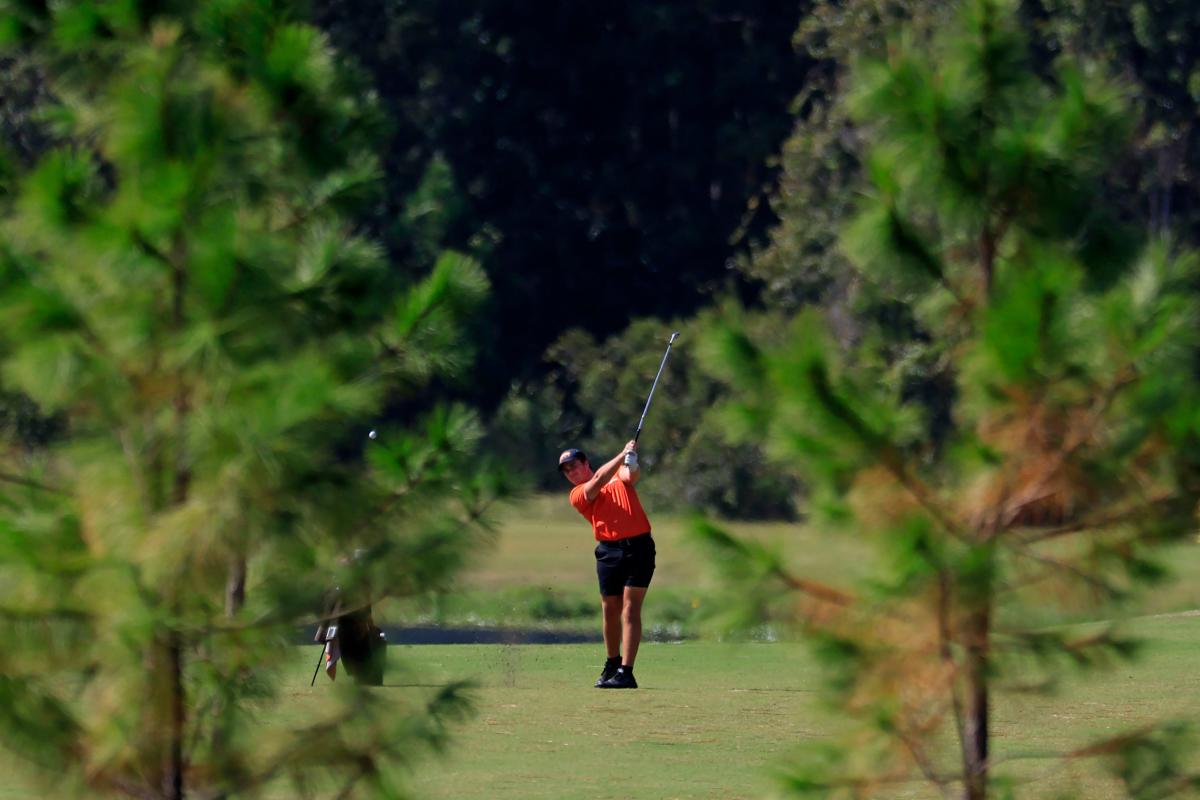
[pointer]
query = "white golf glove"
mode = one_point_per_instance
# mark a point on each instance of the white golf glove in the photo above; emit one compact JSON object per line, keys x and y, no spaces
{"x":631,"y":459}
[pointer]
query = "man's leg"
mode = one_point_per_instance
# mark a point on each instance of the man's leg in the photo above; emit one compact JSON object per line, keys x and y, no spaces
{"x":611,"y":606}
{"x":612,"y":579}
{"x":631,"y":623}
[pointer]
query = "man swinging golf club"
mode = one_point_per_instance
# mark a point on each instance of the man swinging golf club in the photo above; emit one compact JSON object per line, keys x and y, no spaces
{"x":624,"y":552}
{"x":606,"y":497}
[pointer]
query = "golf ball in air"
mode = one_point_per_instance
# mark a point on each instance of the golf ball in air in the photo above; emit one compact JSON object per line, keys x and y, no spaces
{"x":372,"y":435}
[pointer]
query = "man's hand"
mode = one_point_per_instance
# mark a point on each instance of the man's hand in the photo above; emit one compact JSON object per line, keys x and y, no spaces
{"x":630,"y":471}
{"x":606,"y":472}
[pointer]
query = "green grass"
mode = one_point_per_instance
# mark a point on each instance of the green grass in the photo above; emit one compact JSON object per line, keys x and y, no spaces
{"x":545,"y":541}
{"x":708,"y":721}
{"x":540,"y":571}
{"x":714,"y":719}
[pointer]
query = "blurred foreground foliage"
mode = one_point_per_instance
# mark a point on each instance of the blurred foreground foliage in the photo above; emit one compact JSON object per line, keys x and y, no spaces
{"x":1066,"y":352}
{"x":184,"y":294}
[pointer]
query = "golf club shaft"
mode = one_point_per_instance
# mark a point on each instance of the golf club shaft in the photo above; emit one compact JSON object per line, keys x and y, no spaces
{"x":320,"y":661}
{"x":654,"y":385}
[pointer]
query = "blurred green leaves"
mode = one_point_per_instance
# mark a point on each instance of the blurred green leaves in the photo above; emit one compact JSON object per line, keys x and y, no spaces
{"x":183,"y":284}
{"x":1062,"y":353}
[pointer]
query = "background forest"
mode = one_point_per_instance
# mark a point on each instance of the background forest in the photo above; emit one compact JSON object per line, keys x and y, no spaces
{"x":608,"y":166}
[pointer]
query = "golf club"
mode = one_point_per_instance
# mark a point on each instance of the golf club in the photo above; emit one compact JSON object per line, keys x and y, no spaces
{"x":654,"y":385}
{"x":320,"y":660}
{"x":330,"y":632}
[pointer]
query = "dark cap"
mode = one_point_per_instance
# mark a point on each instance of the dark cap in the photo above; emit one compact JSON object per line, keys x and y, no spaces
{"x":570,"y":455}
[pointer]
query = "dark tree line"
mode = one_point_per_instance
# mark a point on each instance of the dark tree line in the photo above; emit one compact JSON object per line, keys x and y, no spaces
{"x":613,"y":162}
{"x":607,"y":159}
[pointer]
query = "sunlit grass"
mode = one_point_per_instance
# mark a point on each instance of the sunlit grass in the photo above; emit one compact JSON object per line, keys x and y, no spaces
{"x":540,"y":571}
{"x":713,"y":718}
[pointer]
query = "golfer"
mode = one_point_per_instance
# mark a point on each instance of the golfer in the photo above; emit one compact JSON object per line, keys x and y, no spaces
{"x":624,"y":552}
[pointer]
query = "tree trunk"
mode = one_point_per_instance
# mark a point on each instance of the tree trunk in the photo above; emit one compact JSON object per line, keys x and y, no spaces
{"x":987,"y":255}
{"x":178,"y":720}
{"x":235,"y":586}
{"x":182,"y":401}
{"x":179,"y":495}
{"x":977,"y":633}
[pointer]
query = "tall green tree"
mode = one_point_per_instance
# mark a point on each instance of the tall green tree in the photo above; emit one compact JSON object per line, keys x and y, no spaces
{"x":1147,"y":43}
{"x":1072,"y":452}
{"x":821,"y":171}
{"x":181,"y":283}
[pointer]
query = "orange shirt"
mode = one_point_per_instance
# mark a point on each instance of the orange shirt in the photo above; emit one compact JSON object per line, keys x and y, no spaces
{"x":616,"y":513}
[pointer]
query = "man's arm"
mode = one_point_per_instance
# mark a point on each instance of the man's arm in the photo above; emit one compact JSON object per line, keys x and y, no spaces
{"x":603,"y":475}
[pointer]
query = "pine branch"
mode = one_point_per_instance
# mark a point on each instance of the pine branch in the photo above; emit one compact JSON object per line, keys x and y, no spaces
{"x":814,"y":589}
{"x":302,"y":215}
{"x":1105,"y":520}
{"x":29,"y":483}
{"x":351,"y":782}
{"x":1035,"y":492}
{"x":1104,"y":747}
{"x":1063,"y":566}
{"x":887,"y":453}
{"x":1113,"y":744}
{"x":43,"y":615}
{"x":302,"y":742}
{"x":921,"y":759}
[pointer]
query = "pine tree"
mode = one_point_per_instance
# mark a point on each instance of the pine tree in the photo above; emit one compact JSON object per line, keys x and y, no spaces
{"x":181,"y":282}
{"x":1069,"y":353}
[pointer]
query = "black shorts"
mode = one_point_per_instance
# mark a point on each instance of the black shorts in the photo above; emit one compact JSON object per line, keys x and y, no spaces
{"x":625,"y":562}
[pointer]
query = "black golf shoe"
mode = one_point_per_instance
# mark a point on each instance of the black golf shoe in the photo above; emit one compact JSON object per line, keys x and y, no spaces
{"x":610,"y":668}
{"x":622,"y":680}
